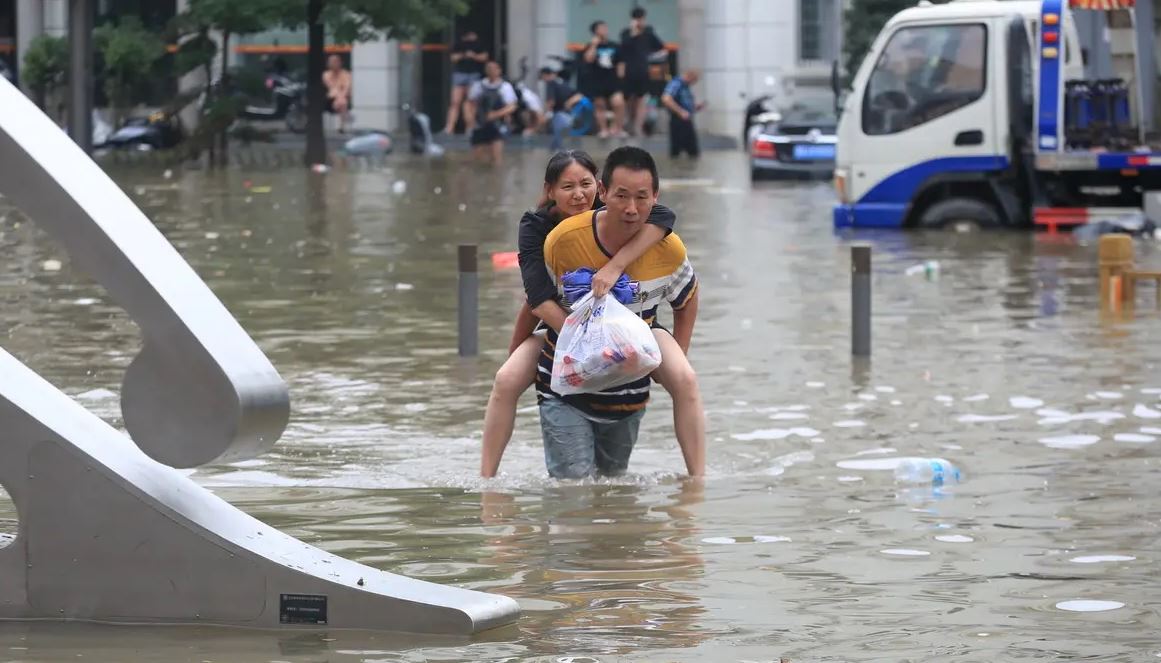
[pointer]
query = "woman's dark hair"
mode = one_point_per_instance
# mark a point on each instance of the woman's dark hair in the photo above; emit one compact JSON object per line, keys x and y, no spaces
{"x":595,"y":25}
{"x":556,"y":167}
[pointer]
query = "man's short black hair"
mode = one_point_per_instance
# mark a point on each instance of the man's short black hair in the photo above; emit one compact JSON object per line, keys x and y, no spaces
{"x":547,"y":71}
{"x":595,"y":25}
{"x":638,"y":12}
{"x":633,"y":158}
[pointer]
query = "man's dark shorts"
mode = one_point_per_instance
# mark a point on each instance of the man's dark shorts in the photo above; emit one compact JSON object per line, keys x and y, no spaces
{"x":602,"y":87}
{"x":485,"y":135}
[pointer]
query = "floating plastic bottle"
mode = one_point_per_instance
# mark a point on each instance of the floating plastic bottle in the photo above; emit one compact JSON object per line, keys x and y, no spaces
{"x":930,"y":269}
{"x":932,"y":471}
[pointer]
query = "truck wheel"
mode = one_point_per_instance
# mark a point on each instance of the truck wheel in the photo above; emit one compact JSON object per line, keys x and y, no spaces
{"x":959,"y":215}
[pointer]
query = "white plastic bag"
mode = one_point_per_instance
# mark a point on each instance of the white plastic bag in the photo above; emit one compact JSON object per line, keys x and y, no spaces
{"x":602,"y":345}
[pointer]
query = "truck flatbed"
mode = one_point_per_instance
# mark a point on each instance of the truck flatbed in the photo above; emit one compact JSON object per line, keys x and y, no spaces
{"x":1094,"y":160}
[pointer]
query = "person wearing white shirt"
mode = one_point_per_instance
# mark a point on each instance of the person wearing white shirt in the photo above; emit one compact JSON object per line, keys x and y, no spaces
{"x":494,"y":100}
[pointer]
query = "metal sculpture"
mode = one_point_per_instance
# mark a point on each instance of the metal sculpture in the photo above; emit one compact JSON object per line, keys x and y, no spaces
{"x":109,"y":531}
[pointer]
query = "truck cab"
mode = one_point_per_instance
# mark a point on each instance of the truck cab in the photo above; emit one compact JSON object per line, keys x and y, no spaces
{"x":952,"y":115}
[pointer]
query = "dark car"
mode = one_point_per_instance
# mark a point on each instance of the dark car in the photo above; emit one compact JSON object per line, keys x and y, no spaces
{"x":796,"y":141}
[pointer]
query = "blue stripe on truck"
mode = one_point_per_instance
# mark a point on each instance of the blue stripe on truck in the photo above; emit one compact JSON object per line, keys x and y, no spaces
{"x":886,"y":203}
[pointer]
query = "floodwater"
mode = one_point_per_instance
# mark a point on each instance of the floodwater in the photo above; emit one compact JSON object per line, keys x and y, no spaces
{"x":798,"y":544}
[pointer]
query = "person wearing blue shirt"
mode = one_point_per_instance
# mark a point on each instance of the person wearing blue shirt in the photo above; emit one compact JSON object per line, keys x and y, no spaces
{"x":566,"y":104}
{"x":678,"y":98}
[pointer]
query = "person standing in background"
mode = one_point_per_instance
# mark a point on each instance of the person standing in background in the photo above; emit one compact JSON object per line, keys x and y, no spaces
{"x":337,"y":81}
{"x":468,"y":59}
{"x":678,"y":98}
{"x":496,"y":100}
{"x":603,"y":85}
{"x":638,"y":45}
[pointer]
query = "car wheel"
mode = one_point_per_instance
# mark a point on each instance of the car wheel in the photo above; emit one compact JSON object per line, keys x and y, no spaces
{"x":961,"y":215}
{"x":755,"y":174}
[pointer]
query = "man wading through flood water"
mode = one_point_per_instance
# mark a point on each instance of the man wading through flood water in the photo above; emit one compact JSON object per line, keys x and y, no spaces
{"x":594,"y":434}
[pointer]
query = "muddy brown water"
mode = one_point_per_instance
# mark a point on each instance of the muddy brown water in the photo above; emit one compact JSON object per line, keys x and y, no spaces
{"x":799,"y":544}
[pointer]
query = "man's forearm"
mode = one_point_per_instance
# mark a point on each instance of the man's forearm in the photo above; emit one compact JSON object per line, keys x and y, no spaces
{"x":669,"y":103}
{"x":503,"y":112}
{"x":683,"y":320}
{"x":637,"y":246}
{"x":552,"y":314}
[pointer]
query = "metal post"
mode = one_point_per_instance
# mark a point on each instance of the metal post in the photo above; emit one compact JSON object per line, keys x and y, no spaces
{"x":81,"y":73}
{"x":469,"y":301}
{"x":861,"y":300}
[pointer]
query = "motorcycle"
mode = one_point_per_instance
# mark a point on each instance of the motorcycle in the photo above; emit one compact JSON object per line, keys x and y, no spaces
{"x":758,"y":112}
{"x":419,"y":127}
{"x":288,"y":103}
{"x":160,"y":130}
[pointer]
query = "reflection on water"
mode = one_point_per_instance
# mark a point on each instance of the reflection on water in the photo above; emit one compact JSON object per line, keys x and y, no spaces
{"x":798,"y":544}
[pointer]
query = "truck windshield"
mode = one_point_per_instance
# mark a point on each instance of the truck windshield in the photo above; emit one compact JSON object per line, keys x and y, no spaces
{"x":924,"y":73}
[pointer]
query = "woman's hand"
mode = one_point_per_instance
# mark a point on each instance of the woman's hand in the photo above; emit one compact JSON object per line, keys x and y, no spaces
{"x":605,"y":279}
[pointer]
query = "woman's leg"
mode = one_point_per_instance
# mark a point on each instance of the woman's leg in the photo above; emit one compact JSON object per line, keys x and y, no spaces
{"x":513,"y":378}
{"x":453,"y":109}
{"x":678,"y":378}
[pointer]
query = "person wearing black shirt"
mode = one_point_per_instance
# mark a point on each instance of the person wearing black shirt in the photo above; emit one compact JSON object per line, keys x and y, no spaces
{"x":468,"y":57}
{"x":639,"y":43}
{"x":564,"y":102}
{"x":603,"y":84}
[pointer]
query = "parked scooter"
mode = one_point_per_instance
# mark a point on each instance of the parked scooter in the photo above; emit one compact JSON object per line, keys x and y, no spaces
{"x":158,"y":131}
{"x":759,"y":111}
{"x":422,"y":142}
{"x":287,"y":102}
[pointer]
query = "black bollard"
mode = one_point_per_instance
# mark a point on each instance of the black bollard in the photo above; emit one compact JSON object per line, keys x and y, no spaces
{"x":469,"y":301}
{"x":861,"y":300}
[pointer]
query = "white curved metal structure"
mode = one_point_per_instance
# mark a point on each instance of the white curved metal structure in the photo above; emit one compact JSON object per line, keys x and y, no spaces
{"x":109,"y":531}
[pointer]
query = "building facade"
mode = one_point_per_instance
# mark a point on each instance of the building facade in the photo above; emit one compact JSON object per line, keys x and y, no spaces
{"x":745,"y":48}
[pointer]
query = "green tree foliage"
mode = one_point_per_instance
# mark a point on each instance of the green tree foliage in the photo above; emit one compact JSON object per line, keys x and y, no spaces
{"x":225,"y":18}
{"x":228,"y":18}
{"x":863,"y":21}
{"x":352,"y":21}
{"x":129,"y":52}
{"x":46,"y":66}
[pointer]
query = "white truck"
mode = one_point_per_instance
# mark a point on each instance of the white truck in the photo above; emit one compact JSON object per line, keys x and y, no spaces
{"x":977,"y":113}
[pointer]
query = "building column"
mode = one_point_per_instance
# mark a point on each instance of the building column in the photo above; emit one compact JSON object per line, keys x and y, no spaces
{"x":522,"y":36}
{"x":56,"y":17}
{"x":375,"y":82}
{"x":748,"y":47}
{"x":726,"y":49}
{"x":29,"y":26}
{"x":550,"y":33}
